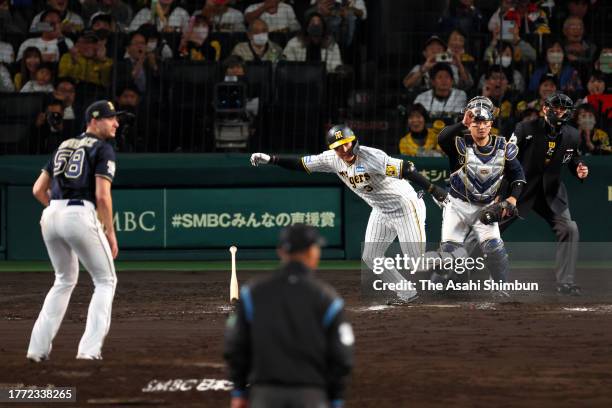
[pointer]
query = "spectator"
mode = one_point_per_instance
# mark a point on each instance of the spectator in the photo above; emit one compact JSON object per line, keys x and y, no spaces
{"x":28,"y":65}
{"x":120,"y":11}
{"x":523,"y":52}
{"x":6,"y":82}
{"x":130,"y":135}
{"x":71,"y":22}
{"x":65,"y":91}
{"x":341,"y":17}
{"x":87,"y":61}
{"x":136,"y":67}
{"x":47,"y":132}
{"x":52,"y":43}
{"x":497,"y":90}
{"x":222,"y":17}
{"x":442,"y":101}
{"x":526,"y":16}
{"x":461,"y":14}
{"x":461,"y":59}
{"x":105,"y":28}
{"x":43,"y":80}
{"x":11,"y":21}
{"x":157,"y":45}
{"x":547,"y":87}
{"x":7,"y":54}
{"x":578,"y":8}
{"x":277,"y":15}
{"x":604,"y":64}
{"x":235,"y":71}
{"x":419,"y":77}
{"x":314,"y":43}
{"x":259,"y":47}
{"x":598,"y":97}
{"x":504,"y":57}
{"x":592,"y":139}
{"x":196,"y":44}
{"x":167,"y":17}
{"x":569,"y":80}
{"x":419,"y":141}
{"x":578,"y":50}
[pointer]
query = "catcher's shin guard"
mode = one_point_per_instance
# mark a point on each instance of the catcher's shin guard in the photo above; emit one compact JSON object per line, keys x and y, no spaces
{"x":496,"y":259}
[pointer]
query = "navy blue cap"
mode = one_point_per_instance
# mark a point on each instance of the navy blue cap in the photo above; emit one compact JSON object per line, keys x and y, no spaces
{"x":101,"y":109}
{"x":299,"y":237}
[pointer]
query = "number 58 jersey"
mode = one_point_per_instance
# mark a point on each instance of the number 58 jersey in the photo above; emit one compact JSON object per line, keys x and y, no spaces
{"x":75,"y":165}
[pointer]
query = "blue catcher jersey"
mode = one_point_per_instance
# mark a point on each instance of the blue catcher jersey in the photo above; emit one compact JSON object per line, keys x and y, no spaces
{"x":75,"y":165}
{"x":483,"y":168}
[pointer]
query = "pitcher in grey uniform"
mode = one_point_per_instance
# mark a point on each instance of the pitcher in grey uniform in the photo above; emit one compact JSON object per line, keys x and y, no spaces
{"x":79,"y":176}
{"x":380,"y":180}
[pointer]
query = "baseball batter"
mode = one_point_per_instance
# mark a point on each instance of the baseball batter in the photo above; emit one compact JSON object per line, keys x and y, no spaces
{"x":380,"y":180}
{"x":481,"y":161}
{"x":79,"y":176}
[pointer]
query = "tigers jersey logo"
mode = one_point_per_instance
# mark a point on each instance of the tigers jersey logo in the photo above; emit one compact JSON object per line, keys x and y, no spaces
{"x":338,"y":134}
{"x":391,"y":170}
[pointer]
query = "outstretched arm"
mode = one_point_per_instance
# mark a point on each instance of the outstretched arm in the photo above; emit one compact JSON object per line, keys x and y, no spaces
{"x":308,"y":164}
{"x":410,"y":173}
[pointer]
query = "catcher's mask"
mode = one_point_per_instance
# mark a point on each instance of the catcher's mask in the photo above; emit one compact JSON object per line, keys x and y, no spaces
{"x":341,"y":134}
{"x":481,"y":102}
{"x":559,"y":101}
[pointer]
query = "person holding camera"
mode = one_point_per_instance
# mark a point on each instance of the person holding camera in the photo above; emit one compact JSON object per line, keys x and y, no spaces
{"x":51,"y":43}
{"x":419,"y":77}
{"x":47,"y":131}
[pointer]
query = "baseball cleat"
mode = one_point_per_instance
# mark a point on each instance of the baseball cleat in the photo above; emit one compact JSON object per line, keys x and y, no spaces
{"x":82,"y":356}
{"x":401,"y":301}
{"x":569,"y":289}
{"x":36,"y":358}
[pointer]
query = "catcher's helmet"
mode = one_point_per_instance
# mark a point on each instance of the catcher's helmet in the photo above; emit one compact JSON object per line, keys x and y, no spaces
{"x":339,"y":135}
{"x":481,"y":102}
{"x":559,"y":100}
{"x":482,"y":114}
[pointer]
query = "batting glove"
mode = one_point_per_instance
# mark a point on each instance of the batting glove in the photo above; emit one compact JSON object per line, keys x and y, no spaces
{"x":259,"y":158}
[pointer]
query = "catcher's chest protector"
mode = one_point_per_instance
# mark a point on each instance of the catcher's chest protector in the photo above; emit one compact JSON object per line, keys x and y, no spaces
{"x":482,"y":172}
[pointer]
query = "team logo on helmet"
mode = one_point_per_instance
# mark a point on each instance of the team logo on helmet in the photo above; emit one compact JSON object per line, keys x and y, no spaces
{"x":338,"y":134}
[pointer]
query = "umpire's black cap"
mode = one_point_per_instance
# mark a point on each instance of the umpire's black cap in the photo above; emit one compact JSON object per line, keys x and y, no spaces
{"x":101,"y":109}
{"x":299,"y":237}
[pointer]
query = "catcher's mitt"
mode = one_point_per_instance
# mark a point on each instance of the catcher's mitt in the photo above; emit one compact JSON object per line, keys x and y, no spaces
{"x":495,"y":212}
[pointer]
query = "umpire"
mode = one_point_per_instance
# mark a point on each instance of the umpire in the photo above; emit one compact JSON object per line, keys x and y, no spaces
{"x":545,"y":146}
{"x":289,"y":339}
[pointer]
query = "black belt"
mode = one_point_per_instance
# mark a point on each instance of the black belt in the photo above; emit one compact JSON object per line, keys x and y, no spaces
{"x":76,"y":202}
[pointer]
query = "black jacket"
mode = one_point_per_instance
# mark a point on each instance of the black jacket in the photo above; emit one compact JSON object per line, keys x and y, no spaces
{"x":289,"y":329}
{"x":545,"y":180}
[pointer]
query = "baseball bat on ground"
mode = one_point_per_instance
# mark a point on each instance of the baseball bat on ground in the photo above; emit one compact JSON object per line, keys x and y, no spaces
{"x":234,"y":294}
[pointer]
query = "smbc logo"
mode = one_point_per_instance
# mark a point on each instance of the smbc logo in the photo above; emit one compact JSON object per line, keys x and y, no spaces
{"x":129,"y":221}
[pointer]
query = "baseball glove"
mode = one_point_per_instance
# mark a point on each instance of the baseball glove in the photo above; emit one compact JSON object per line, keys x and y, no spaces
{"x":495,"y":212}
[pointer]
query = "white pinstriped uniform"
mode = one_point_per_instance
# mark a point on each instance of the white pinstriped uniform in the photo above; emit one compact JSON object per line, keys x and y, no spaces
{"x":397,"y":210}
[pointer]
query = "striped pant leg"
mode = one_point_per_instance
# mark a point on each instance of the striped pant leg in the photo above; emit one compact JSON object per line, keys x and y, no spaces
{"x":380,"y":233}
{"x":410,"y":227}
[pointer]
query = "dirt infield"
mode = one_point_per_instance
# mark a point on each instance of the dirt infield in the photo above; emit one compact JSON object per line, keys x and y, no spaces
{"x":169,"y":326}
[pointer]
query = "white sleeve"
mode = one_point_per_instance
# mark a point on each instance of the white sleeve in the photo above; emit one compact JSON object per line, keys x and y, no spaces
{"x":380,"y":163}
{"x":35,"y":21}
{"x":179,"y":18}
{"x":143,"y":16}
{"x":360,"y":4}
{"x":292,"y":22}
{"x":6,"y":83}
{"x":323,"y":163}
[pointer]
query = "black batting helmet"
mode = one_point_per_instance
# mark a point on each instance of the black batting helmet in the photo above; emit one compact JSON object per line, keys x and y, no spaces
{"x":559,"y":100}
{"x":339,"y":135}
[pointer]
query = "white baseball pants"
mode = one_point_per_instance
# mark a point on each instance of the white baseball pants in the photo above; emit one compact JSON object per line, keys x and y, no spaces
{"x":73,"y":233}
{"x":408,"y":226}
{"x":459,"y":216}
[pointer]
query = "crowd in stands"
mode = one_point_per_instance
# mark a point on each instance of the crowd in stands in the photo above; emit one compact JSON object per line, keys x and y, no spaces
{"x":76,"y":51}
